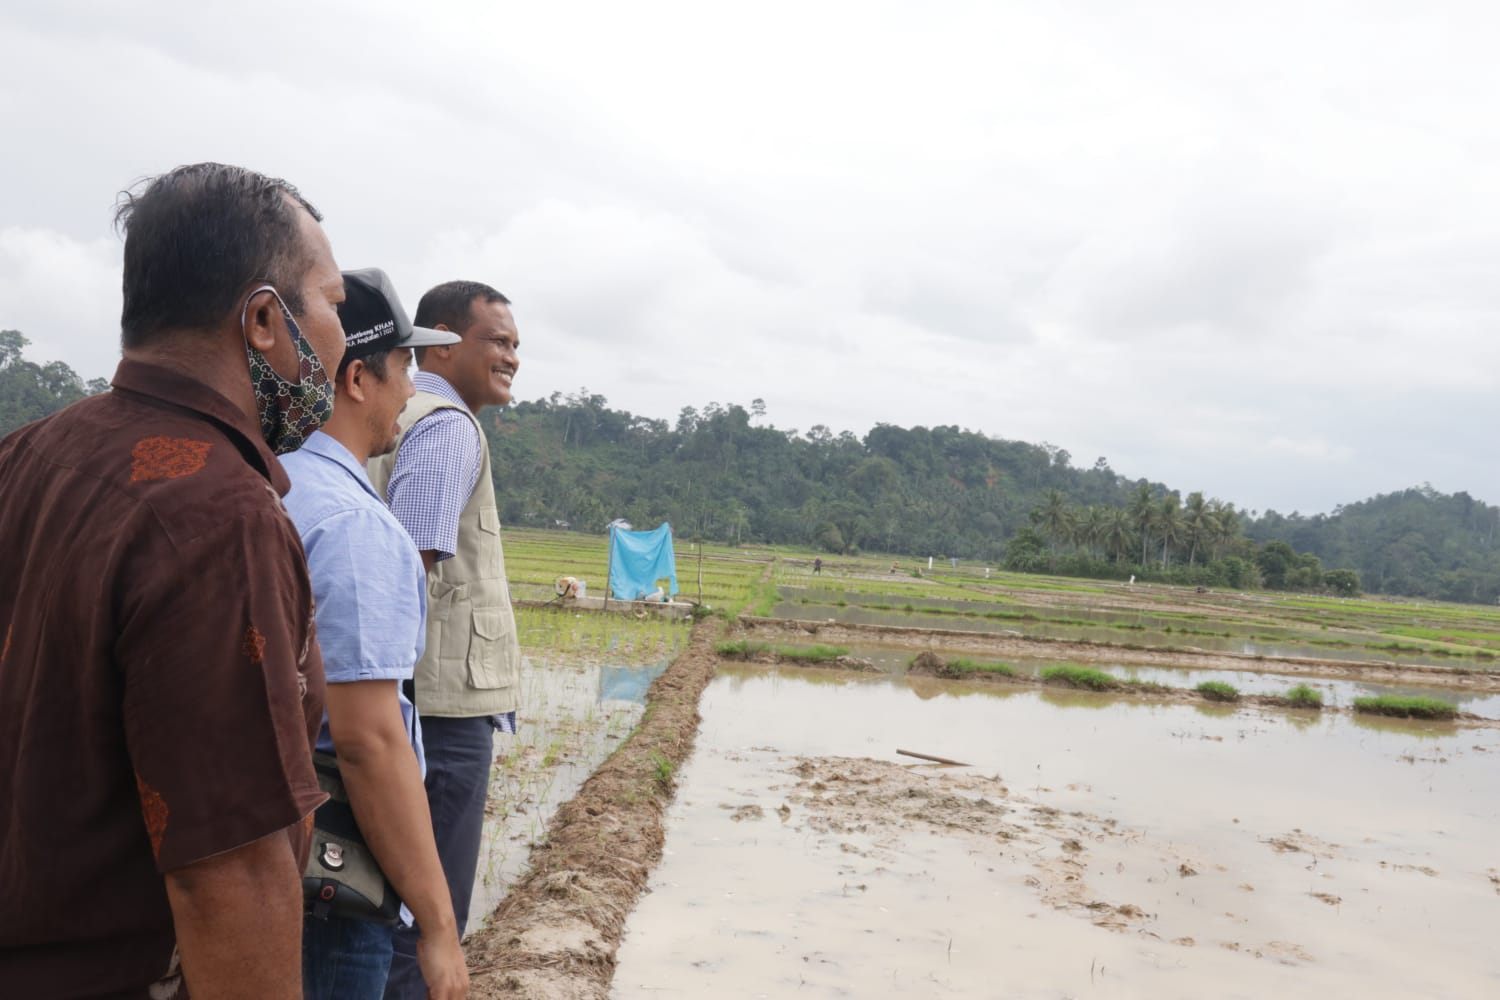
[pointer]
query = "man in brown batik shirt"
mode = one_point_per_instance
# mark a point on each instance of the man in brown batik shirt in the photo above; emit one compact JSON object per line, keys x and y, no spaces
{"x":160,"y":684}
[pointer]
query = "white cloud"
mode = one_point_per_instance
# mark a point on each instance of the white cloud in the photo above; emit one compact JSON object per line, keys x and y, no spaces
{"x":63,"y":295}
{"x":1248,"y":251}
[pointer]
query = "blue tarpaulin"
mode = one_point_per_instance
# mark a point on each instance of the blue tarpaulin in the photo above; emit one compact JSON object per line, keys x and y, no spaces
{"x":637,"y":559}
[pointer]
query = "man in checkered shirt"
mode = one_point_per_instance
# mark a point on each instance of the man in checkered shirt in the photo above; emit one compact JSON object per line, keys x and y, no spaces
{"x":439,"y":487}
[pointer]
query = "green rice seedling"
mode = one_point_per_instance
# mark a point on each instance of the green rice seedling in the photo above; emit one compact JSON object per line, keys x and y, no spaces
{"x":742,"y":647}
{"x":1303,"y":696}
{"x":1405,"y":708}
{"x":964,"y":666}
{"x":1219,"y":691}
{"x":1079,"y":677}
{"x":1139,"y":686}
{"x":661,"y":770}
{"x":811,"y":654}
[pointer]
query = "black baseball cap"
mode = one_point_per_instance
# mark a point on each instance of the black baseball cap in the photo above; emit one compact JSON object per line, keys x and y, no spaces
{"x":374,"y":320}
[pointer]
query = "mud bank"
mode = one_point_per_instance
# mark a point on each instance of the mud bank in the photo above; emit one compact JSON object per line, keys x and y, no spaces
{"x":1072,"y":651}
{"x":555,"y":935}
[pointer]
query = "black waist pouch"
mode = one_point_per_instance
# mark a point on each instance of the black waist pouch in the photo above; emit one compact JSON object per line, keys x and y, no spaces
{"x":342,"y":878}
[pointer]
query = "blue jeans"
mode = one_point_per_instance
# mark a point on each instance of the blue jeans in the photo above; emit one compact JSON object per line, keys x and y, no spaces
{"x":344,"y":959}
{"x":459,"y":755}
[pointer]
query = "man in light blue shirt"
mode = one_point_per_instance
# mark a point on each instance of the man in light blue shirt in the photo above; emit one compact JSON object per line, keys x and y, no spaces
{"x":370,"y":587}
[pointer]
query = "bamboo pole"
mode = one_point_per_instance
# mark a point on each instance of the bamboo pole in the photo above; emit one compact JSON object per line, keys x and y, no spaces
{"x":935,"y":760}
{"x":609,"y":565}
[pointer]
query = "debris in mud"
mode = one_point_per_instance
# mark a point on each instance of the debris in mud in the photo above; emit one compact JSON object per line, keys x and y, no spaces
{"x":1327,"y":897}
{"x":1299,"y":842}
{"x":746,"y":812}
{"x":928,"y":662}
{"x":1186,"y":870}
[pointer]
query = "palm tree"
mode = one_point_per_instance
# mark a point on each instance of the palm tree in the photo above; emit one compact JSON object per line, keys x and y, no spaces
{"x":1054,"y":518}
{"x":1142,"y":514}
{"x":1089,"y":528}
{"x":1195,"y":522}
{"x":1226,"y":526}
{"x":1169,"y":525}
{"x":1118,"y":535}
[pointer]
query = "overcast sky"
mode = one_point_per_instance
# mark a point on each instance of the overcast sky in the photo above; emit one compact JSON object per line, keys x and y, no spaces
{"x":1247,"y":249}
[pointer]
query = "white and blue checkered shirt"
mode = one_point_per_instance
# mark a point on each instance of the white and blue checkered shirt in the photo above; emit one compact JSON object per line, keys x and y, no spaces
{"x":435,"y":472}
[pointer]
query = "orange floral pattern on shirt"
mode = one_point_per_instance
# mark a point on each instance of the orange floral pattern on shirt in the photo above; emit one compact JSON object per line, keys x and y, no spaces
{"x":154,"y":810}
{"x":167,"y":458}
{"x":255,"y":644}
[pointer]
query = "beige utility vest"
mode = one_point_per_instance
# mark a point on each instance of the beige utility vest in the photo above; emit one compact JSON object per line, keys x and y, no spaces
{"x":472,"y":663}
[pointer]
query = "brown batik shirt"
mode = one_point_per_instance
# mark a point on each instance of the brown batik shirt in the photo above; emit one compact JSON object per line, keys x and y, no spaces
{"x":160,"y":685}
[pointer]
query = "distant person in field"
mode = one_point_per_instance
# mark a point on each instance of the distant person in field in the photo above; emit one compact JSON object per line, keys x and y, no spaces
{"x":818,"y":565}
{"x":160,"y":680}
{"x":371,"y":593}
{"x":439,"y":486}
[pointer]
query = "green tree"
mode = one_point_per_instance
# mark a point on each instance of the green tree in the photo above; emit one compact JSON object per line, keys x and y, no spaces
{"x":1169,"y":525}
{"x":29,"y":391}
{"x":1142,"y":516}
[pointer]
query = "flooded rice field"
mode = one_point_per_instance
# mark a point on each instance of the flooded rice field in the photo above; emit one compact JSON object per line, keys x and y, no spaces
{"x":1081,"y":625}
{"x":584,"y":678}
{"x":576,"y":710}
{"x":1092,"y":847}
{"x":1337,"y":692}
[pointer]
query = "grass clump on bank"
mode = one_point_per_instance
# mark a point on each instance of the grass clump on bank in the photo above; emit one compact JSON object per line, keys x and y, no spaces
{"x":1303,"y":696}
{"x":963,"y":666}
{"x":1079,"y":677}
{"x":1405,"y":708}
{"x":1219,"y":691}
{"x":745,"y":649}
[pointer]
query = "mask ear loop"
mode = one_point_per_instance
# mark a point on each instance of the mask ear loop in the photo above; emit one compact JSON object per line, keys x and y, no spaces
{"x":245,"y":312}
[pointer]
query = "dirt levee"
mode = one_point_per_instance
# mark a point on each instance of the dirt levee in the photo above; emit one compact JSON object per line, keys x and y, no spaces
{"x":1084,"y":651}
{"x":556,"y":933}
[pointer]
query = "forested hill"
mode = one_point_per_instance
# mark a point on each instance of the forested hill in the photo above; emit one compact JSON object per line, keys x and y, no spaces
{"x":723,"y":473}
{"x":1417,"y":541}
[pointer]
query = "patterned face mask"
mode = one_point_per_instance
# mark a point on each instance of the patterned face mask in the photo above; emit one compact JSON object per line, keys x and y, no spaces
{"x":289,"y":412}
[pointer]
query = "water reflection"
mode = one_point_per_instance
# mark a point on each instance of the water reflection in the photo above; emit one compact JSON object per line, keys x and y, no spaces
{"x":1313,"y":842}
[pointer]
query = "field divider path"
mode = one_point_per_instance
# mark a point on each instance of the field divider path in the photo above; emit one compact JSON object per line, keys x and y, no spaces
{"x":555,"y":935}
{"x":1091,"y":651}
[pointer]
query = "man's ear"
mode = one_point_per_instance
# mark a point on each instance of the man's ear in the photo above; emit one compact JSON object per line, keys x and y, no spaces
{"x":263,"y":320}
{"x":353,"y":382}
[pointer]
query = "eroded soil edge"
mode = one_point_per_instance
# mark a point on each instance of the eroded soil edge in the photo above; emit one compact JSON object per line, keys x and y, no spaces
{"x":555,"y":934}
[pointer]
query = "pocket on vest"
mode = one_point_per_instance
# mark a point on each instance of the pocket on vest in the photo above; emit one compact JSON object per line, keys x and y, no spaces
{"x":489,"y":520}
{"x":491,"y":649}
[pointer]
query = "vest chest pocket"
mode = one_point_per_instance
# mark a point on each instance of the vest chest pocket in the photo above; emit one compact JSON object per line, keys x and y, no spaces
{"x":489,"y":520}
{"x":493,"y":651}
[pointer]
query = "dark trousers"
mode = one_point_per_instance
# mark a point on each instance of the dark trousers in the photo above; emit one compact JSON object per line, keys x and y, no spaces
{"x":344,"y":959}
{"x":459,"y":754}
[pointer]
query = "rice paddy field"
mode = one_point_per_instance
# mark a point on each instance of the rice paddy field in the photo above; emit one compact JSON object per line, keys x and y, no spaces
{"x":1155,"y":792}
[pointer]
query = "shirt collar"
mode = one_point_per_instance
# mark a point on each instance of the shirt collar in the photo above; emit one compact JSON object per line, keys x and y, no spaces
{"x":438,"y":386}
{"x":331,"y":448}
{"x":164,"y":387}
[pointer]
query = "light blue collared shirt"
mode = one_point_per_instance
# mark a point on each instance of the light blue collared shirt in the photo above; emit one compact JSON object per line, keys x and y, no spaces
{"x":367,"y":575}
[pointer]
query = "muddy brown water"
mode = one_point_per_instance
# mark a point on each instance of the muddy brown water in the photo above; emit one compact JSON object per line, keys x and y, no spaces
{"x":575,"y":714}
{"x":1095,"y":847}
{"x":1336,"y":691}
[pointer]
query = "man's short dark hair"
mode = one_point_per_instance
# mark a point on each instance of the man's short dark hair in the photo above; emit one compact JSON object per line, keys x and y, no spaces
{"x":374,"y":363}
{"x":197,"y":237}
{"x":452,"y":304}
